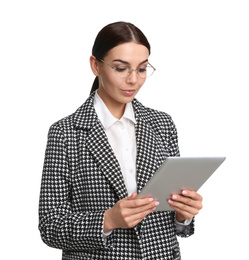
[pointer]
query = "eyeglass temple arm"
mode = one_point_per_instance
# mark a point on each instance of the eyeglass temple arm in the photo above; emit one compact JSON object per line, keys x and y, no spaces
{"x":152,"y":66}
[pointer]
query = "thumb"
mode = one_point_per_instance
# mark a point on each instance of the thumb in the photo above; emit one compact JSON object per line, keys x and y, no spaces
{"x":132,"y":196}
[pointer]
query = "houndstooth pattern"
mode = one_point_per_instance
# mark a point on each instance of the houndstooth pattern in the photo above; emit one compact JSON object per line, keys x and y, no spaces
{"x":82,"y":178}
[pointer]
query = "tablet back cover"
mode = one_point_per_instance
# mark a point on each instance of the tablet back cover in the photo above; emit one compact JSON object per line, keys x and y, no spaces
{"x":178,"y":173}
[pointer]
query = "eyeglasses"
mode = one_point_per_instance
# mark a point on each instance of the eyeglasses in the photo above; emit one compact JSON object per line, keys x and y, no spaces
{"x":123,"y":71}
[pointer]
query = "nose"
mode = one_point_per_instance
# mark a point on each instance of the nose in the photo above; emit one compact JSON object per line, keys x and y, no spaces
{"x":132,"y":78}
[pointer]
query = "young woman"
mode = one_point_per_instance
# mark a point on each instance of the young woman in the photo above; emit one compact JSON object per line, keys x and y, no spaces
{"x":98,"y":158}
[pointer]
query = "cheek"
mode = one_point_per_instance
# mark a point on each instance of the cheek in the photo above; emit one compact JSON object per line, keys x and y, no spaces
{"x":111,"y":82}
{"x":141,"y":83}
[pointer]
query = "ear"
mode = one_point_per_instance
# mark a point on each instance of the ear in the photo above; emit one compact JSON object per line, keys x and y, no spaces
{"x":94,"y":65}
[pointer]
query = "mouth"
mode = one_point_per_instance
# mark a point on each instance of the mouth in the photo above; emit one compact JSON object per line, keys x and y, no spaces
{"x":128,"y":92}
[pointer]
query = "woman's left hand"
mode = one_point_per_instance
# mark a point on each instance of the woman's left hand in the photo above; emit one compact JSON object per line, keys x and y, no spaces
{"x":187,"y":205}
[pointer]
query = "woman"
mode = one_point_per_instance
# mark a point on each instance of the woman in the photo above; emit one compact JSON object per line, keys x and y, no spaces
{"x":98,"y":158}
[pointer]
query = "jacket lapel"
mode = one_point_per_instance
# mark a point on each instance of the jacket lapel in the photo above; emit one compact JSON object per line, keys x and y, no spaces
{"x":97,"y":143}
{"x":101,"y":150}
{"x":150,"y":152}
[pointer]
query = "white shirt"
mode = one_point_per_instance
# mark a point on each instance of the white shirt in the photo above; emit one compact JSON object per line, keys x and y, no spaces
{"x":121,"y":136}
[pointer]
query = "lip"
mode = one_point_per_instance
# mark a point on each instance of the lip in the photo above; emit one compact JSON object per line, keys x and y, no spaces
{"x":128,"y":92}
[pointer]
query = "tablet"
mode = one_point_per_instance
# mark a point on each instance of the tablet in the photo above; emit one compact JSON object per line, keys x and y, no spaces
{"x":178,"y":173}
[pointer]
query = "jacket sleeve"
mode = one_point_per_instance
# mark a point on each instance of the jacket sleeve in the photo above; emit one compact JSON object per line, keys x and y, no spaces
{"x":173,"y":140}
{"x":59,"y":226}
{"x":182,"y":230}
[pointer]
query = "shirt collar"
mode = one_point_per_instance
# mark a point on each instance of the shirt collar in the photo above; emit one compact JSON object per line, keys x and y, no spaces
{"x":105,"y":116}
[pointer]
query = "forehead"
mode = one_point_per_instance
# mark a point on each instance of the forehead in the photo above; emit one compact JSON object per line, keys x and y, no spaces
{"x":130,"y":52}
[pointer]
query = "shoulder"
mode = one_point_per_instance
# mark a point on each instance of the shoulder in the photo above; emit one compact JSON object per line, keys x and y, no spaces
{"x":61,"y":130}
{"x":83,"y":117}
{"x":155,"y":118}
{"x":161,"y":125}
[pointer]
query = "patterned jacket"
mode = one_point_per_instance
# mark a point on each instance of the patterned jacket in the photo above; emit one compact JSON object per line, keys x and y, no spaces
{"x":82,"y":178}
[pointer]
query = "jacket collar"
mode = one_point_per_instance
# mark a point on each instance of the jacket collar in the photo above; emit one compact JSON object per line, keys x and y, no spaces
{"x":85,"y":116}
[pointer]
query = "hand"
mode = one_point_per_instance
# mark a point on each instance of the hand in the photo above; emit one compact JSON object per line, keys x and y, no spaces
{"x":186,"y":205}
{"x":128,"y":212}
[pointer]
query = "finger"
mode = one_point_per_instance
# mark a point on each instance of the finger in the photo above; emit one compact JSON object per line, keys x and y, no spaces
{"x":132,"y":217}
{"x":188,"y":201}
{"x":136,"y":203}
{"x":130,"y":207}
{"x":192,"y":194}
{"x":184,"y":214}
{"x":132,"y":196}
{"x":141,"y":206}
{"x":184,"y":209}
{"x":184,"y":200}
{"x":139,"y":201}
{"x":138,"y":217}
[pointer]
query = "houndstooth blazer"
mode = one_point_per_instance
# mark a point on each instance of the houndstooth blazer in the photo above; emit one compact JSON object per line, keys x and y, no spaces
{"x":82,"y":178}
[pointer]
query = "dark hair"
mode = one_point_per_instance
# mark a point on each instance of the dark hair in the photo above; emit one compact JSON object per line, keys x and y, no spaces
{"x":111,"y":36}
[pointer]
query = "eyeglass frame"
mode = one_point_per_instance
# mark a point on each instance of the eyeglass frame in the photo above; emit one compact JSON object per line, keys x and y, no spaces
{"x":130,"y":71}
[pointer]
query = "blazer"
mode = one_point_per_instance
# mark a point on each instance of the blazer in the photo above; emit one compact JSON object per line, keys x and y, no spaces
{"x":82,"y":179}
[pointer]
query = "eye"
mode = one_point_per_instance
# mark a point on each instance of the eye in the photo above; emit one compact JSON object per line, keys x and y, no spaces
{"x":121,"y":69}
{"x":142,"y":69}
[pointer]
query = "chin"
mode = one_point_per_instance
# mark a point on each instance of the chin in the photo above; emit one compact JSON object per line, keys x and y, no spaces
{"x":127,"y":99}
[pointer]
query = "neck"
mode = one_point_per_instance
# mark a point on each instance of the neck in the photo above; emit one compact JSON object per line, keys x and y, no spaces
{"x":116,"y":108}
{"x":116,"y":111}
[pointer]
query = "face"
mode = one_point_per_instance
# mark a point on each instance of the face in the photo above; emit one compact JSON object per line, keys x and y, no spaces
{"x":113,"y":90}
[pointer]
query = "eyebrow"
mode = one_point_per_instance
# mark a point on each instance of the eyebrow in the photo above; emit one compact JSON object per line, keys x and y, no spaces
{"x":125,"y":62}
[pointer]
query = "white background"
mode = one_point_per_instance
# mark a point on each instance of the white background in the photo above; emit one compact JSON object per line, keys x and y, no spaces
{"x":200,"y":50}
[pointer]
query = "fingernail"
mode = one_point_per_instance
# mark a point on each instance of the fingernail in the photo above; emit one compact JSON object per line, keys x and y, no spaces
{"x":151,"y":199}
{"x":154,"y":208}
{"x":174,"y":197}
{"x":157,"y":203}
{"x":184,"y":192}
{"x":170,"y":201}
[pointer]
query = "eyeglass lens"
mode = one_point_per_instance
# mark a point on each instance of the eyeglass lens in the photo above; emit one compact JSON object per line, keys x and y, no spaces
{"x":143,"y":72}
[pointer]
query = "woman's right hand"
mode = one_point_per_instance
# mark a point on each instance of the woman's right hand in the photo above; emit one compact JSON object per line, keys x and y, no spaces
{"x":128,"y":212}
